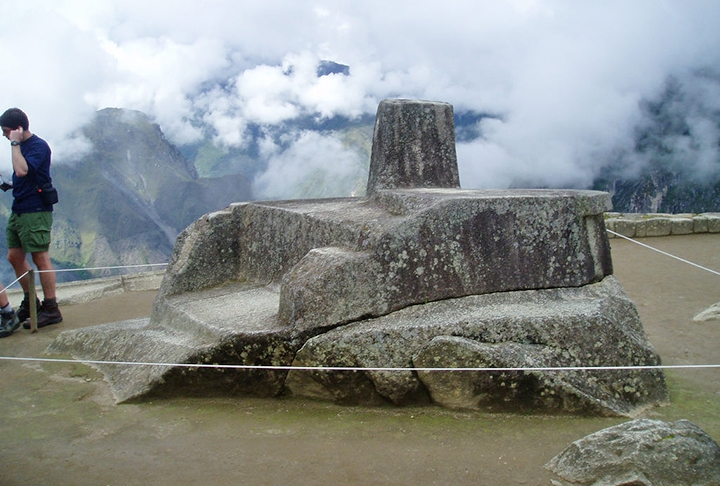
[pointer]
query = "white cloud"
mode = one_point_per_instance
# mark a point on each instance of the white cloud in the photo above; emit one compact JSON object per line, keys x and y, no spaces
{"x":311,"y":159}
{"x":565,"y":76}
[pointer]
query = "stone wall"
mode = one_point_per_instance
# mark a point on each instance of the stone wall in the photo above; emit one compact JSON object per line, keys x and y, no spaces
{"x":639,"y":225}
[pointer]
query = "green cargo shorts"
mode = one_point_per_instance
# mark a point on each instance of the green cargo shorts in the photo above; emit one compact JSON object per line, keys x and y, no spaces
{"x":29,"y":231}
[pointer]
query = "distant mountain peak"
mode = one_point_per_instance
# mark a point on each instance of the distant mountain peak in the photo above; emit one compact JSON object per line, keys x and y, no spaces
{"x":326,"y":68}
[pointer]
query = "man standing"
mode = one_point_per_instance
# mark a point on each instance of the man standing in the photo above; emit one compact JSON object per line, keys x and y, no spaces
{"x":28,"y":229}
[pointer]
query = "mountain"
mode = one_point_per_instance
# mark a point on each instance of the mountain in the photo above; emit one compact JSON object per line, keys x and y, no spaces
{"x":674,"y":166}
{"x":125,"y":201}
{"x":662,"y":191}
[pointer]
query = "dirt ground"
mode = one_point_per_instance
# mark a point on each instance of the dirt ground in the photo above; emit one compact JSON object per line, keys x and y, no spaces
{"x":60,"y":426}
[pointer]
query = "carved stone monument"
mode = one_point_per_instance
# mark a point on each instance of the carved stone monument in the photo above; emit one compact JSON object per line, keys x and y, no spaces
{"x":419,"y":274}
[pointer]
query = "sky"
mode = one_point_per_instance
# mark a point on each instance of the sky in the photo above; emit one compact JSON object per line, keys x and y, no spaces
{"x":563,"y":79}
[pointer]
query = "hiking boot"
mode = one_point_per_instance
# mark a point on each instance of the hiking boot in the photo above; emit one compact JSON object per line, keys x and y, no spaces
{"x":23,"y":312}
{"x":48,"y":313}
{"x":8,"y":323}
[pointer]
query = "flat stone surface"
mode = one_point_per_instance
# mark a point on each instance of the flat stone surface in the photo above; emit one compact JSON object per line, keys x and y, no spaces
{"x":422,"y":245}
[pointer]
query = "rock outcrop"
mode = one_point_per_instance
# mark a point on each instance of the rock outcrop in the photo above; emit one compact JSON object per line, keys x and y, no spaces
{"x":425,"y":277}
{"x":594,"y":325}
{"x":641,"y":452}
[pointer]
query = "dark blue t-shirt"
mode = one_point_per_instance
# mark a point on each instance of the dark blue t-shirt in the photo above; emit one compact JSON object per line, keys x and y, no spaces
{"x":27,"y":199}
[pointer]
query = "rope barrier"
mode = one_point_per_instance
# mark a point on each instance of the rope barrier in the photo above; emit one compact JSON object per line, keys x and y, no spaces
{"x":357,"y":368}
{"x":347,"y":368}
{"x":103,"y":268}
{"x":32,"y":295}
{"x":59,"y":270}
{"x":663,"y":252}
{"x":13,"y":282}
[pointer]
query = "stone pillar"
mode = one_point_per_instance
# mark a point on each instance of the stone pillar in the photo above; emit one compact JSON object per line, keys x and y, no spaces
{"x":413,"y":146}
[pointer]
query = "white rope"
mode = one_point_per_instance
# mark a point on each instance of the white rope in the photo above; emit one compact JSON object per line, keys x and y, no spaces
{"x":356,"y":368}
{"x":103,"y":268}
{"x":664,"y":253}
{"x":12,"y":283}
{"x":349,"y":368}
{"x":82,"y":269}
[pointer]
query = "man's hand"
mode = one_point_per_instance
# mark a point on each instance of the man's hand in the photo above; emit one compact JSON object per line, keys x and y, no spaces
{"x":16,"y":135}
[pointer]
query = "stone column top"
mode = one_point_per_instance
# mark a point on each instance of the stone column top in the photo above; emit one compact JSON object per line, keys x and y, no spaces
{"x":413,"y":146}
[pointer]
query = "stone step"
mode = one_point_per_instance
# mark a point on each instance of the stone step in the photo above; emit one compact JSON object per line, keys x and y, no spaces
{"x":135,"y":341}
{"x":220,"y":312}
{"x":197,"y":327}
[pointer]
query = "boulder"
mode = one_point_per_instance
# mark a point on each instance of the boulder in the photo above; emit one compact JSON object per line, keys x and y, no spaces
{"x":641,"y":452}
{"x":594,"y":325}
{"x":280,"y":272}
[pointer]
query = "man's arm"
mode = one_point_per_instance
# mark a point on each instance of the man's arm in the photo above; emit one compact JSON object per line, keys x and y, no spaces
{"x":20,"y":165}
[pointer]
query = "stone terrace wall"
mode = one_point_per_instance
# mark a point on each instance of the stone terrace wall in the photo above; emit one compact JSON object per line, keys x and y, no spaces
{"x":638,"y":225}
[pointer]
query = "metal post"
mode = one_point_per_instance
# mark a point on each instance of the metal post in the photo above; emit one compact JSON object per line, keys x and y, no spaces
{"x":32,"y":295}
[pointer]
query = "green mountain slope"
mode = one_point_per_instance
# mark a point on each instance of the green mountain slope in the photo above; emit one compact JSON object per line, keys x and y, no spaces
{"x":126,"y":200}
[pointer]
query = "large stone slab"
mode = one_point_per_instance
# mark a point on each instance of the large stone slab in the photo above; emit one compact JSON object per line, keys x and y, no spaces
{"x":401,"y":247}
{"x":272,"y":274}
{"x":419,"y":271}
{"x":595,"y":325}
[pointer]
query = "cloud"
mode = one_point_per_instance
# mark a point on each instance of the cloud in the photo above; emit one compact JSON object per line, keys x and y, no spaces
{"x":273,"y":94}
{"x":303,"y":163}
{"x":159,"y":76}
{"x":564,"y":78}
{"x":681,"y":128}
